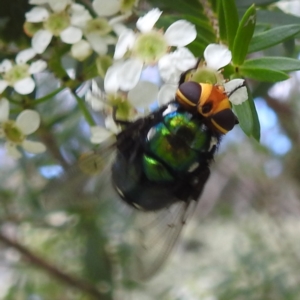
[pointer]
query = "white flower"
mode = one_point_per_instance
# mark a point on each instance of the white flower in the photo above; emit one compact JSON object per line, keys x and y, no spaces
{"x":173,"y":64}
{"x":81,"y":50}
{"x":96,"y":32}
{"x":148,"y":47}
{"x":217,"y":56}
{"x":236,"y":90}
{"x":150,"y":44}
{"x":15,"y":132}
{"x":105,"y":8}
{"x":18,"y":75}
{"x":66,"y":20}
{"x":55,"y":5}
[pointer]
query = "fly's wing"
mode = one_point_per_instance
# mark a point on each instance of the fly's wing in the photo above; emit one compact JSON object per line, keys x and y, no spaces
{"x":80,"y":183}
{"x":154,"y":236}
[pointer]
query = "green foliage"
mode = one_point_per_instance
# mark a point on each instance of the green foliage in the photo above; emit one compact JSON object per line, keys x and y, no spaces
{"x":272,"y":62}
{"x":228,"y":21}
{"x":274,"y":36}
{"x":262,"y":74}
{"x":243,"y":36}
{"x":248,"y":118}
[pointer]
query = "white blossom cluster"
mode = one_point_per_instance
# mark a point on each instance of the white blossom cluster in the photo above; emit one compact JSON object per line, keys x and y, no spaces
{"x":146,"y":66}
{"x":164,"y":52}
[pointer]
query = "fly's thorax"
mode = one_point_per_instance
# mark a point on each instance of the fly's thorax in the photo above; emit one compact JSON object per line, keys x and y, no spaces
{"x":177,"y":145}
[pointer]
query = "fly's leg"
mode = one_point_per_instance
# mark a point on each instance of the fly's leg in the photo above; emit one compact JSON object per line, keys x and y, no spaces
{"x":118,"y":121}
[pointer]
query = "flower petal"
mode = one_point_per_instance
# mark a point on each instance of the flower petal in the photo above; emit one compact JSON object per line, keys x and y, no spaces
{"x":97,"y":43}
{"x":95,"y":97}
{"x":105,"y":8}
{"x":111,"y":82}
{"x":111,"y":125}
{"x":25,"y":55}
{"x":217,"y":56}
{"x":59,"y":5}
{"x":180,"y":33}
{"x":37,"y":66}
{"x":41,"y":40}
{"x":24,"y":86}
{"x":5,"y":65}
{"x":166,"y":93}
{"x":99,"y":134}
{"x":125,"y":42}
{"x":168,"y":70}
{"x":143,"y":94}
{"x":37,"y":14}
{"x":236,"y":90}
{"x":81,"y":50}
{"x":79,"y":15}
{"x":71,"y":35}
{"x":12,"y":150}
{"x":130,"y":74}
{"x":184,"y":59}
{"x":4,"y":109}
{"x":118,"y":28}
{"x":28,"y":121}
{"x":146,"y":23}
{"x":33,"y":147}
{"x":3,"y":85}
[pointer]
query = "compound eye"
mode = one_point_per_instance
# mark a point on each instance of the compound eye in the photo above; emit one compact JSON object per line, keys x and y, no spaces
{"x":189,"y":93}
{"x":224,"y":120}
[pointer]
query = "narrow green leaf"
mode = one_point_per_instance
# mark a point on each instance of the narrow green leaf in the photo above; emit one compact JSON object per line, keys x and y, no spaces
{"x":231,"y":20}
{"x":248,"y":118}
{"x":262,"y":74}
{"x":243,"y":36}
{"x":255,"y":120}
{"x":273,"y":37}
{"x":276,"y":17}
{"x":243,"y":113}
{"x":222,"y":22}
{"x":284,"y":64}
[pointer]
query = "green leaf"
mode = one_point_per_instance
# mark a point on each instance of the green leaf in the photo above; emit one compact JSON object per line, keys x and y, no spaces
{"x":262,"y":74}
{"x":273,"y":37}
{"x":221,"y":21}
{"x":231,"y":19}
{"x":276,"y":63}
{"x":276,"y":17}
{"x":248,"y":118}
{"x":243,"y":36}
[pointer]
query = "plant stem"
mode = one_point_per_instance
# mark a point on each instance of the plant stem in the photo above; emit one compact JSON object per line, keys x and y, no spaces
{"x":49,"y":96}
{"x":85,"y":111}
{"x":54,"y":271}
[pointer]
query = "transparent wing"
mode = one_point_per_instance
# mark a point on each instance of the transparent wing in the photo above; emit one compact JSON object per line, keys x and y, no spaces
{"x":155,"y":234}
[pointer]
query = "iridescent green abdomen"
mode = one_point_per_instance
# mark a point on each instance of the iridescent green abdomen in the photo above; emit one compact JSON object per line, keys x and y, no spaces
{"x":175,"y":146}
